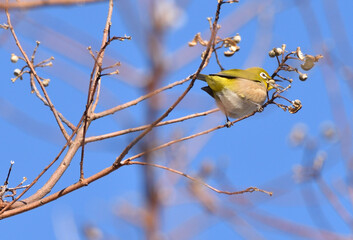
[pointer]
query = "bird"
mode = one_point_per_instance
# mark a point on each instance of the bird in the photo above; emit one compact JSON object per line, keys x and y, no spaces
{"x":238,"y":92}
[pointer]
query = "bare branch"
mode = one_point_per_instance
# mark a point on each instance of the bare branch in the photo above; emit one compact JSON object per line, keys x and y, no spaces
{"x":33,"y":71}
{"x":94,"y":82}
{"x":137,"y":100}
{"x":249,"y":189}
{"x":130,"y":130}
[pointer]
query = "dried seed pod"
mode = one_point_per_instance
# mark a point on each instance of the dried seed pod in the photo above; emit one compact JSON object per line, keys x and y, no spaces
{"x":14,"y":58}
{"x":197,"y":39}
{"x":299,"y":54}
{"x":309,"y":63}
{"x":303,"y":76}
{"x":297,"y":105}
{"x":278,"y":51}
{"x":46,"y":82}
{"x":272,"y":53}
{"x":17,"y":72}
{"x":237,"y":38}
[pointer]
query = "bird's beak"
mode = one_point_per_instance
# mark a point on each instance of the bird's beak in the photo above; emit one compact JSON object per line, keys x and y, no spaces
{"x":269,"y":86}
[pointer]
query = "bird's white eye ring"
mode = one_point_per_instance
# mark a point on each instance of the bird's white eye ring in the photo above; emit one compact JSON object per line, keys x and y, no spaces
{"x":263,"y":75}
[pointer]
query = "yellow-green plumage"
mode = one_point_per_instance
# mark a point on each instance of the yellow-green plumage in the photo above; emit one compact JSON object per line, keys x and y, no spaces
{"x":238,"y":92}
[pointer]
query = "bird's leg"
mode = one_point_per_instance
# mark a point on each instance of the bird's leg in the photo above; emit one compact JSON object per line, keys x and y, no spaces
{"x":259,"y":108}
{"x":228,"y":122}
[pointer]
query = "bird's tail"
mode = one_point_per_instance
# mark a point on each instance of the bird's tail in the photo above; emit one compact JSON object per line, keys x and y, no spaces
{"x":201,"y":77}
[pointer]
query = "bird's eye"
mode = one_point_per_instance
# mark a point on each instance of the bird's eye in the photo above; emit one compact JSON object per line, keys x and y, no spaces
{"x":263,"y":75}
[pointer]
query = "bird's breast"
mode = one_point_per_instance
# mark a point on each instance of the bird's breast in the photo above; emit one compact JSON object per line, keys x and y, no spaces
{"x":241,"y":98}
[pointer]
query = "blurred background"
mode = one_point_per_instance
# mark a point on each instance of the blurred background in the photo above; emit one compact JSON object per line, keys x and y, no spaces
{"x":305,"y":159}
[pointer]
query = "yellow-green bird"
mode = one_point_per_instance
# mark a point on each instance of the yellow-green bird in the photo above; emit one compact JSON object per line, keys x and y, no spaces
{"x":238,"y":92}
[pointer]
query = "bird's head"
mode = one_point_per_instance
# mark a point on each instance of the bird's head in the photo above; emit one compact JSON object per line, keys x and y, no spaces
{"x":259,"y":74}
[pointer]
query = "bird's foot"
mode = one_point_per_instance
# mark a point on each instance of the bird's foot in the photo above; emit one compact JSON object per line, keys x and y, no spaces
{"x":260,"y":108}
{"x":228,"y":123}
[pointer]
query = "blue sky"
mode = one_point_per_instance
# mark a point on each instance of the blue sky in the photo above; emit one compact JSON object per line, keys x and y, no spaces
{"x":254,"y":152}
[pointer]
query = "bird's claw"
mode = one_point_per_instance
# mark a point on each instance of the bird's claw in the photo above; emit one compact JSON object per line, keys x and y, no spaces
{"x":260,"y":108}
{"x":228,"y":123}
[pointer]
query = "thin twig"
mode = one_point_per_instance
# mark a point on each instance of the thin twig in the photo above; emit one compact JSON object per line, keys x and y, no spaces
{"x":8,"y":174}
{"x":35,"y":90}
{"x":94,"y":79}
{"x":249,"y":189}
{"x":33,"y":71}
{"x":186,"y":138}
{"x":36,"y":199}
{"x":33,"y":182}
{"x":218,"y":62}
{"x":67,"y":122}
{"x":137,"y":100}
{"x":97,"y":95}
{"x":172,"y":142}
{"x":54,"y":196}
{"x":136,"y":129}
{"x":34,"y":52}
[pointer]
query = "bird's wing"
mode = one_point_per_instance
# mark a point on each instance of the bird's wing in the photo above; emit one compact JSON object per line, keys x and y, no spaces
{"x":237,"y":73}
{"x":208,"y":90}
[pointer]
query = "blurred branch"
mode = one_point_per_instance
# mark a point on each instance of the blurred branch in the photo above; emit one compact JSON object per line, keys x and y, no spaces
{"x":335,"y":202}
{"x":293,"y":228}
{"x":42,"y":3}
{"x":265,"y":21}
{"x":331,"y":81}
{"x":339,"y":34}
{"x":189,"y":228}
